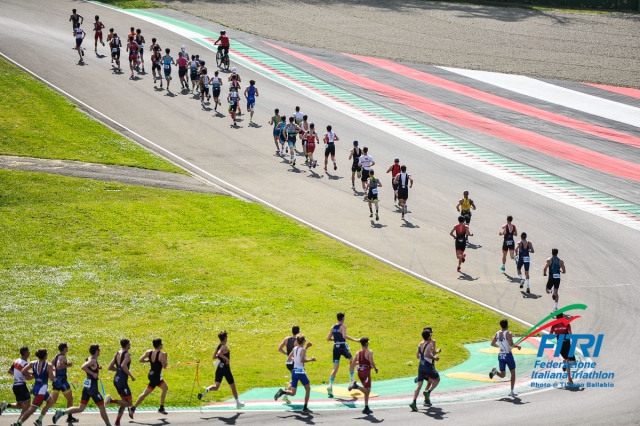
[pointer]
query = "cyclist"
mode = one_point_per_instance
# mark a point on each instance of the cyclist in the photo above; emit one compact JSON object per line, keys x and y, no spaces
{"x":224,"y":43}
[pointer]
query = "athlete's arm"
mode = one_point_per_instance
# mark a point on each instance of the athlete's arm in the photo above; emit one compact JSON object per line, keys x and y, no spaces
{"x":27,"y":367}
{"x":112,"y":364}
{"x":452,"y":231}
{"x":85,"y":368}
{"x":330,"y":336}
{"x":343,"y":330}
{"x":503,"y":231}
{"x":467,"y":231}
{"x":373,"y":363}
{"x":546,"y":265}
{"x":410,"y":181}
{"x":164,"y":359}
{"x":220,"y":354}
{"x":473,"y":206}
{"x":493,"y":342}
{"x":124,"y":365}
{"x":510,"y":341}
{"x":257,"y":94}
{"x":531,"y":250}
{"x":564,"y":271}
{"x":379,"y":183}
{"x":304,"y":357}
{"x":459,"y":204}
{"x":50,"y":370}
{"x":145,"y":357}
{"x":63,"y":363}
{"x":430,"y":352}
{"x":373,"y":163}
{"x":395,"y":179}
{"x":335,"y":137}
{"x":515,"y":231}
{"x":282,"y":345}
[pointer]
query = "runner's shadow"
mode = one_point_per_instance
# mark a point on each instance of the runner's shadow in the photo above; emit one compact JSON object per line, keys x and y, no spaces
{"x":99,"y":56}
{"x":435,"y":413}
{"x":302,"y":417}
{"x":408,"y":224}
{"x":530,"y":295}
{"x":514,"y":400}
{"x":511,"y":279}
{"x":81,"y":63}
{"x":255,"y":125}
{"x":156,"y":88}
{"x":163,"y":422}
{"x":313,"y":174}
{"x":574,"y":389}
{"x":227,"y":420}
{"x":473,"y":246}
{"x":206,"y":108}
{"x":333,"y":177}
{"x":376,"y":225}
{"x":294,"y":169}
{"x":370,"y":418}
{"x":170,"y":94}
{"x":466,"y":277}
{"x":219,"y":114}
{"x":135,"y":78}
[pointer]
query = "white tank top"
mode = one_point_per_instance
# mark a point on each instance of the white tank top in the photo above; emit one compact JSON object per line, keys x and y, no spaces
{"x":503,"y":344}
{"x":78,"y":32}
{"x":297,"y":358}
{"x":331,"y":137}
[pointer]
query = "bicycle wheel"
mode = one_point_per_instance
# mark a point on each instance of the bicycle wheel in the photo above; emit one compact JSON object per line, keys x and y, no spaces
{"x":218,"y":59}
{"x":226,"y":62}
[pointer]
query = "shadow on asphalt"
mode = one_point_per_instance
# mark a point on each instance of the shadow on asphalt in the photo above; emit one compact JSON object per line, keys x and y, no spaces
{"x":305,"y":418}
{"x":467,"y":277}
{"x":514,"y":400}
{"x":370,"y":418}
{"x":435,"y":413}
{"x":407,"y":224}
{"x":162,"y":423}
{"x":530,"y":295}
{"x":226,"y":420}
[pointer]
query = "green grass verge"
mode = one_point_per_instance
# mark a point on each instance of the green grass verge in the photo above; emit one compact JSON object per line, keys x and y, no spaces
{"x":133,"y":4}
{"x":88,"y":261}
{"x":35,"y":121}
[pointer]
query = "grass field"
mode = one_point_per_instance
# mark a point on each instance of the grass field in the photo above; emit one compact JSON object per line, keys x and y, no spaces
{"x":96,"y":262}
{"x":132,"y":4}
{"x":37,"y":122}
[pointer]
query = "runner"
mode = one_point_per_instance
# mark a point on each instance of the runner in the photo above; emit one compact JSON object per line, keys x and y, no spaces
{"x":222,"y":360}
{"x":304,"y":128}
{"x":217,"y":84}
{"x":80,"y":35}
{"x":156,"y":61}
{"x":312,"y":139}
{"x":289,"y":343}
{"x":157,"y":361}
{"x":508,"y":231}
{"x":462,"y":232}
{"x":185,"y":55}
{"x":565,"y":349}
{"x":97,"y":27}
{"x":167,"y":61}
{"x":371,"y":190}
{"x":205,"y":82}
{"x":283,"y":140}
{"x":366,"y":162}
{"x":42,"y":373}
{"x":120,"y":364}
{"x":141,"y":41}
{"x":427,"y":354}
{"x":338,"y":335}
{"x":193,"y":73}
{"x":394,"y":169}
{"x":132,"y":34}
{"x":235,"y":80}
{"x":464,"y":207}
{"x":182,"y":71}
{"x":251,"y":93}
{"x":556,"y":267}
{"x":356,"y":168}
{"x":298,"y":115}
{"x":291,"y":131}
{"x":61,"y":381}
{"x":330,"y":148}
{"x":234,"y":99}
{"x":20,"y":389}
{"x":403,"y":182}
{"x":132,"y":48}
{"x":524,"y":248}
{"x":299,"y":358}
{"x":364,"y":361}
{"x":90,"y":389}
{"x":275,"y":121}
{"x":115,"y":44}
{"x":76,"y":20}
{"x":504,"y":341}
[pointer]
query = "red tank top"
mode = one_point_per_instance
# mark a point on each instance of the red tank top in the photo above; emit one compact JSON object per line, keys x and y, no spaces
{"x":395,"y":169}
{"x":461,"y":229}
{"x":311,"y":138}
{"x":363,"y":362}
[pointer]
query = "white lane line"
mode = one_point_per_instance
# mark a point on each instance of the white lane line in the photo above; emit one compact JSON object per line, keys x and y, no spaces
{"x":261,"y":201}
{"x":551,"y":93}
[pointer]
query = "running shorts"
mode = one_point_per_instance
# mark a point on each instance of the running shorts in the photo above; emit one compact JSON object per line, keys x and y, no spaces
{"x":364,"y":374}
{"x":122,"y":387}
{"x":216,"y":92}
{"x":341,"y":350}
{"x":116,"y":54}
{"x":182,"y":71}
{"x":167,"y":72}
{"x":564,"y":351}
{"x":553,"y":282}
{"x":429,"y":371}
{"x":155,"y":66}
{"x":141,"y":52}
{"x":60,"y":384}
{"x":21,"y":393}
{"x":506,"y":360}
{"x":194,"y":75}
{"x":508,"y":245}
{"x":461,"y":245}
{"x":292,"y":141}
{"x":290,"y":367}
{"x":98,"y":35}
{"x":251,"y":103}
{"x":395,"y":185}
{"x":78,"y":42}
{"x":299,"y":377}
{"x":233,"y":106}
{"x":91,"y":393}
{"x":224,"y":373}
{"x":155,"y":380}
{"x":467,"y":216}
{"x":204,"y":90}
{"x":330,"y":149}
{"x":311,"y":147}
{"x":133,"y":57}
{"x":365,"y":175}
{"x":356,"y":168}
{"x":403,"y":193}
{"x":523,"y":261}
{"x":371,"y":196}
{"x":40,"y":395}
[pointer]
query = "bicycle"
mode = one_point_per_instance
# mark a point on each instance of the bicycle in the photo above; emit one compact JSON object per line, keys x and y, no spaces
{"x":222,"y":60}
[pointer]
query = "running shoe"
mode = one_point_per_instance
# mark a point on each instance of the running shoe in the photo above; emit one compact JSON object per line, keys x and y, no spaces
{"x":315,"y":163}
{"x":415,"y":380}
{"x":427,"y":398}
{"x":493,"y":372}
{"x":464,"y":257}
{"x":413,"y":406}
{"x":335,"y":166}
{"x":371,"y":215}
{"x":330,"y":391}
{"x":277,"y":152}
{"x":3,"y":407}
{"x":365,"y":198}
{"x":306,"y":410}
{"x":286,"y":399}
{"x":513,"y":394}
{"x":395,"y":198}
{"x":426,"y":404}
{"x":102,"y":42}
{"x":132,"y":411}
{"x":59,"y":413}
{"x":239,"y":405}
{"x":250,"y":119}
{"x":162,"y":411}
{"x":521,"y":283}
{"x":458,"y":269}
{"x":353,"y":187}
{"x":38,"y":422}
{"x":278,"y":394}
{"x":377,"y":217}
{"x":82,"y":51}
{"x":402,"y":215}
{"x":528,"y":291}
{"x":367,"y":410}
{"x":294,"y":162}
{"x":72,"y":419}
{"x":554,"y":310}
{"x":202,"y":103}
{"x":107,"y":400}
{"x":352,"y":385}
{"x":286,"y":150}
{"x":502,"y":268}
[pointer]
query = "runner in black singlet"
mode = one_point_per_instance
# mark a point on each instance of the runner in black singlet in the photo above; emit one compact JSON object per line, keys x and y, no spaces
{"x":222,"y":359}
{"x":157,"y":360}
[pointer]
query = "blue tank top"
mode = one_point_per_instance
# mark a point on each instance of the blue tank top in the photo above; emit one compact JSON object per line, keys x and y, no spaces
{"x":523,"y":252}
{"x":252,"y":92}
{"x":40,"y":373}
{"x":337,"y":335}
{"x":61,"y":373}
{"x":555,"y":266}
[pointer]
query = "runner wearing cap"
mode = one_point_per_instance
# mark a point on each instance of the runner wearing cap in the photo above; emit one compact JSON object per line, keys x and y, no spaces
{"x":394,"y":169}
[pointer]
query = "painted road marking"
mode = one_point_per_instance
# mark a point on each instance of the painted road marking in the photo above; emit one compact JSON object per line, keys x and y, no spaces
{"x":634,"y":93}
{"x":343,"y":392}
{"x":523,"y":351}
{"x":556,"y":95}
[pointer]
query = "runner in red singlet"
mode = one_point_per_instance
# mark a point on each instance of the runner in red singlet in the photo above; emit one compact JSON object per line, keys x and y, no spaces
{"x":312,"y":139}
{"x":394,"y":169}
{"x":462,"y":232}
{"x":97,"y":27}
{"x":364,"y":361}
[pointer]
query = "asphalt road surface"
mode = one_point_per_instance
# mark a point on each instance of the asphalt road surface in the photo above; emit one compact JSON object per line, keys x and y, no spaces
{"x":601,"y":255}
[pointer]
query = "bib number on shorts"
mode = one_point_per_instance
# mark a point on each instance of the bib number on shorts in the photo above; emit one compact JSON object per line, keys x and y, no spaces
{"x":502,"y":357}
{"x":216,"y":363}
{"x":556,"y":276}
{"x":298,"y":370}
{"x":526,"y":259}
{"x":114,"y":50}
{"x":509,"y":243}
{"x":87,"y":383}
{"x":206,"y":86}
{"x":374,"y":191}
{"x":326,"y":145}
{"x":167,"y":66}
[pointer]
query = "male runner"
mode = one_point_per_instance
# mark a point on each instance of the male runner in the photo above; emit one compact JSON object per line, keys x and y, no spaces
{"x":132,"y":34}
{"x":80,"y":35}
{"x":234,"y":99}
{"x":140,"y":40}
{"x":120,"y":364}
{"x":235,"y":80}
{"x":427,"y":354}
{"x":205,"y":82}
{"x":508,"y":231}
{"x":298,"y":115}
{"x":222,"y":360}
{"x":465,"y":205}
{"x":109,"y":37}
{"x":299,"y":358}
{"x":156,"y":60}
{"x":20,"y":377}
{"x":556,"y":267}
{"x":366,"y":162}
{"x":291,"y":131}
{"x":304,"y":128}
{"x":394,"y":169}
{"x":61,"y":382}
{"x":403,"y":181}
{"x":193,"y":73}
{"x":338,"y":335}
{"x":157,"y":361}
{"x":89,"y":389}
{"x":132,"y":48}
{"x":185,"y":55}
{"x":97,"y":27}
{"x":42,"y":373}
{"x":312,"y":139}
{"x":275,"y":121}
{"x":216,"y":83}
{"x":330,"y":148}
{"x":356,"y":168}
{"x":462,"y":232}
{"x":285,"y":348}
{"x":76,"y":20}
{"x":524,"y":249}
{"x":364,"y":361}
{"x":115,"y":44}
{"x":564,"y":329}
{"x":504,"y":341}
{"x":251,"y":93}
{"x":371,"y":190}
{"x":167,"y":61}
{"x":182,"y":71}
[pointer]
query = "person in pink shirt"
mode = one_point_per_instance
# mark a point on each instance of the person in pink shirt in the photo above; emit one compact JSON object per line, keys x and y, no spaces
{"x":182,"y":70}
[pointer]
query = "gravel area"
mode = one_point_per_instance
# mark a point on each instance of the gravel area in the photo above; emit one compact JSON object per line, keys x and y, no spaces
{"x":560,"y":45}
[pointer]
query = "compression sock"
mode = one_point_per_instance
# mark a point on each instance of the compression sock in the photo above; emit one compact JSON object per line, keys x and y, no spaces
{"x":331,"y":382}
{"x":351,"y":372}
{"x":527,"y":280}
{"x":555,"y":305}
{"x":520,"y":276}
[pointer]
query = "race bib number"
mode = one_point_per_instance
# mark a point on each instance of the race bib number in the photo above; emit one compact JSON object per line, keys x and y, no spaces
{"x":167,"y":66}
{"x":509,"y":243}
{"x":142,"y":46}
{"x":114,"y":50}
{"x":556,"y":276}
{"x":216,"y":363}
{"x":526,"y":259}
{"x":374,"y":191}
{"x":87,"y":383}
{"x":298,"y":370}
{"x":289,"y":362}
{"x":326,"y":145}
{"x":206,"y":86}
{"x":502,"y":356}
